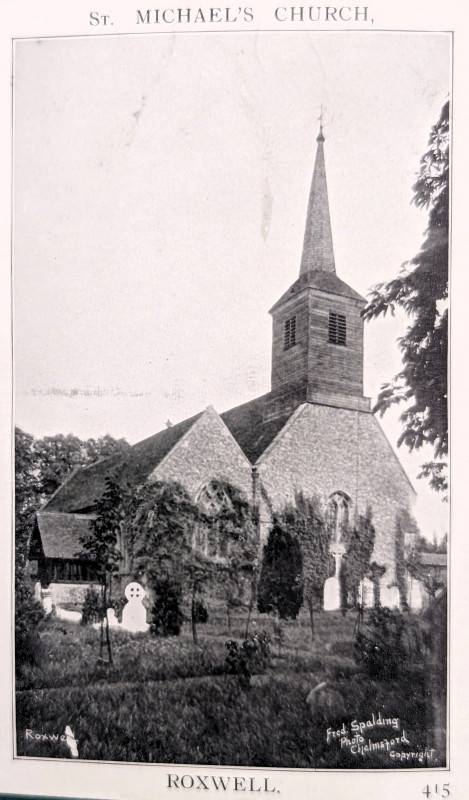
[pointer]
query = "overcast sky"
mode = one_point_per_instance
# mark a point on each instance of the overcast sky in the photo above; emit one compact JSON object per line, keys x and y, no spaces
{"x":160,"y":193}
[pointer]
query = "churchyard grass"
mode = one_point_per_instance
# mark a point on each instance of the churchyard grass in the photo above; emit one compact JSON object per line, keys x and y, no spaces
{"x":166,"y":700}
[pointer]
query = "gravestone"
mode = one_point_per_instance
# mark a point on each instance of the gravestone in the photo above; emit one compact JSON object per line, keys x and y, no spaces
{"x":366,"y":593}
{"x":389,"y":597}
{"x":331,"y":594}
{"x":47,"y":601}
{"x":38,"y":591}
{"x":134,"y":613}
{"x":112,"y":619}
{"x":415,"y":595}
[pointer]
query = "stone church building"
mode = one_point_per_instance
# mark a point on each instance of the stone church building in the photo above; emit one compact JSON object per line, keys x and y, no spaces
{"x":314,"y":431}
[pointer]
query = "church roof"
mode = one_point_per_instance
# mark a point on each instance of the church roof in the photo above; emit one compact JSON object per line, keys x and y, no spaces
{"x":87,"y":484}
{"x":321,"y":280}
{"x":60,"y":533}
{"x":246,"y":425}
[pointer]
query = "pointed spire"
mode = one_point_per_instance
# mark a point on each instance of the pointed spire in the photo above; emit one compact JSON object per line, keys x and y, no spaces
{"x":318,"y":251}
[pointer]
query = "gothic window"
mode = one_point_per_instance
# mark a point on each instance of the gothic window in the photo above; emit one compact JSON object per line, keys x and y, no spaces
{"x":209,"y":538}
{"x":337,"y":328}
{"x":338,"y":515}
{"x":289,"y":333}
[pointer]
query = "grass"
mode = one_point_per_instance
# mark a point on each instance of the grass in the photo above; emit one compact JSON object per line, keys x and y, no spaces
{"x":168,"y":701}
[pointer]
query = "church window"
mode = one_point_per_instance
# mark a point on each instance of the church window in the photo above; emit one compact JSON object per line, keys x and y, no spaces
{"x":337,"y":328}
{"x":338,"y":515}
{"x":289,"y":333}
{"x":210,"y":538}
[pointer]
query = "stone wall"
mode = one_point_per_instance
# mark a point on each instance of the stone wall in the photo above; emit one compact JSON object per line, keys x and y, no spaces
{"x":323,"y":450}
{"x":207,"y":451}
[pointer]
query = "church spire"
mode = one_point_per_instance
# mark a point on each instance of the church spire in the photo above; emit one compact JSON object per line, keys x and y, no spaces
{"x":318,"y":252}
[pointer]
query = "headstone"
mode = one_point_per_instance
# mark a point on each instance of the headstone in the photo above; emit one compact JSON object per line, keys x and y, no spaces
{"x":112,"y":619}
{"x":47,"y":601}
{"x":325,"y":703}
{"x":38,"y":591}
{"x":366,"y":593}
{"x":134,"y":613}
{"x":389,"y":597}
{"x":415,"y":595}
{"x":331,"y":594}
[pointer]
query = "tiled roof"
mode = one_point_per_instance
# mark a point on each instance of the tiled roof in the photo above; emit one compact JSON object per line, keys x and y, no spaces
{"x":60,"y":533}
{"x":87,"y":484}
{"x":246,"y":425}
{"x":321,"y":280}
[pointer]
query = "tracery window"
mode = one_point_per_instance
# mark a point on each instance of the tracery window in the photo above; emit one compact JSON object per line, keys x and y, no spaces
{"x":338,"y":515}
{"x":209,"y":537}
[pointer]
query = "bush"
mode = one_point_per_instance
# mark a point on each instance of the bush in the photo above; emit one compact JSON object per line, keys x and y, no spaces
{"x":249,"y":657}
{"x":200,"y":613}
{"x":166,"y":615}
{"x":379,"y":649}
{"x":280,"y":583}
{"x":28,"y":614}
{"x":92,"y":610}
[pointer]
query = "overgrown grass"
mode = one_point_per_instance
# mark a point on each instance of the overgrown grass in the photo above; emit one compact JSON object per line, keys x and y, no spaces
{"x":167,"y":701}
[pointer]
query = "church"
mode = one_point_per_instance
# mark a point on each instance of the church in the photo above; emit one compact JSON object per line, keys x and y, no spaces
{"x":314,"y":432}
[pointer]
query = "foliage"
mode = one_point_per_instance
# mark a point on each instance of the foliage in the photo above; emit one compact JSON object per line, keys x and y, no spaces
{"x":405,"y":523}
{"x":166,"y":615}
{"x":305,"y":521}
{"x":101,"y":544}
{"x":360,"y":541}
{"x":280,"y":584}
{"x":426,"y":574}
{"x":379,"y":648}
{"x":200,"y":612}
{"x":248,"y":658}
{"x":28,"y":614}
{"x":421,"y":290}
{"x":235,"y":523}
{"x":92,"y":610}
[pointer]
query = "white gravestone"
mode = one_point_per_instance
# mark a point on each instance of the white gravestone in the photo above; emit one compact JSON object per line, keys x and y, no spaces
{"x":415,"y":595}
{"x":331,"y":594}
{"x":112,"y":619}
{"x":389,"y":597}
{"x":366,"y":593}
{"x":134,"y":613}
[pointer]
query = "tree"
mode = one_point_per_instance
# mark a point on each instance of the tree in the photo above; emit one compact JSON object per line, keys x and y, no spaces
{"x":160,"y":525}
{"x":235,"y":523}
{"x":356,"y":561}
{"x":421,"y":290}
{"x":305,"y":520}
{"x":101,"y":545}
{"x":280,"y":583}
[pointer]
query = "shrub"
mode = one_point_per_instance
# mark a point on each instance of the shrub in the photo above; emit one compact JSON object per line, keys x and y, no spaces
{"x":280,"y":583}
{"x":379,"y":649}
{"x":92,"y":610}
{"x":200,"y":613}
{"x":28,"y":613}
{"x":249,"y":657}
{"x":166,"y":615}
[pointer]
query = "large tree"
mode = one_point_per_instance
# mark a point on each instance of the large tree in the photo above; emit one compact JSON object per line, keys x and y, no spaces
{"x":421,"y":290}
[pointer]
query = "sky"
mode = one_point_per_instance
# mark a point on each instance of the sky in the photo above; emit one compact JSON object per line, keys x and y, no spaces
{"x":160,"y":193}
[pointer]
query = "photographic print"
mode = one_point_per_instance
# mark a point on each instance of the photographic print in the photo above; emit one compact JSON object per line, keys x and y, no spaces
{"x":230,"y":295}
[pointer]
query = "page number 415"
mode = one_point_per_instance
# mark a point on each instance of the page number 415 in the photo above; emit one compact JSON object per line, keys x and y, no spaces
{"x":436,"y":790}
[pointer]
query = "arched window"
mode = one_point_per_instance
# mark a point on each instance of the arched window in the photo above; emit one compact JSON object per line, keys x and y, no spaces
{"x":209,"y":538}
{"x":338,"y":515}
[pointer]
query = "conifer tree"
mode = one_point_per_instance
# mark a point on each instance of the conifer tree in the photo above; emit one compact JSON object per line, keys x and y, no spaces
{"x":280,"y":582}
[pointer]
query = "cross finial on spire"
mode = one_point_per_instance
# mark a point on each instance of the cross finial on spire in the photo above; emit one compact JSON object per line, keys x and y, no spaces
{"x":318,"y":252}
{"x":320,"y":136}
